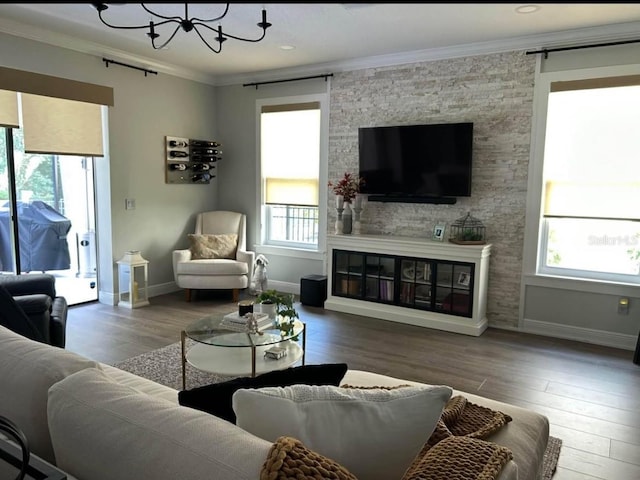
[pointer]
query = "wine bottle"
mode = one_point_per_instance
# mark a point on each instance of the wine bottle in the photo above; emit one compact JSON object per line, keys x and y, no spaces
{"x":178,"y":143}
{"x":204,"y":143}
{"x":177,"y":154}
{"x":210,"y":151}
{"x":200,"y":167}
{"x":178,"y":166}
{"x":204,"y":158}
{"x":200,"y":178}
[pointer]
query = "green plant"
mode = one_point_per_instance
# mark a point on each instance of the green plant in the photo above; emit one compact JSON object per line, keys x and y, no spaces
{"x":471,"y":235}
{"x":284,"y":308}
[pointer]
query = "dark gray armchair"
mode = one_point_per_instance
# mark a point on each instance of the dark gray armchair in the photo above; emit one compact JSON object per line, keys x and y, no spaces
{"x":29,"y":306}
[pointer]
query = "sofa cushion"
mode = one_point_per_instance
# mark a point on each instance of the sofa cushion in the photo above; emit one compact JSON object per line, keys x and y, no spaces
{"x":27,"y":369}
{"x":526,"y":435}
{"x":213,"y":266}
{"x":102,"y":430}
{"x":216,"y":398}
{"x":213,"y":246}
{"x":374,"y":433}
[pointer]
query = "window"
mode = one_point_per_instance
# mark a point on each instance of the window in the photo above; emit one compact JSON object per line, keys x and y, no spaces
{"x":290,"y":165}
{"x":590,"y":224}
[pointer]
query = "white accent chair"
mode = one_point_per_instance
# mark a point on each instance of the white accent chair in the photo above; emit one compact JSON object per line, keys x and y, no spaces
{"x":216,"y":273}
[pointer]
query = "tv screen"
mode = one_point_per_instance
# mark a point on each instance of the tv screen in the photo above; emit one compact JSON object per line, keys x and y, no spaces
{"x":417,"y":160}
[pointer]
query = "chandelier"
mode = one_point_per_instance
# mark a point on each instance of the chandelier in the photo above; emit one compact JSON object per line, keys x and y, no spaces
{"x":185,"y":23}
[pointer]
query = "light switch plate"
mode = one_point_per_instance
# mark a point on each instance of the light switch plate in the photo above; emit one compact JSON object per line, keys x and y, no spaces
{"x":130,"y":203}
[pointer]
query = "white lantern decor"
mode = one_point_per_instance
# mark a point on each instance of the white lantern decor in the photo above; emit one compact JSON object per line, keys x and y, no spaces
{"x":133,"y":280}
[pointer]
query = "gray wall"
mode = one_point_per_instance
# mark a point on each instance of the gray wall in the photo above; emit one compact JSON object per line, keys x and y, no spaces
{"x":237,"y":122}
{"x":146,"y":109}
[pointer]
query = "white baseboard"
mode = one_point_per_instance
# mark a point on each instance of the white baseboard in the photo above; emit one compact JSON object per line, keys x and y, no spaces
{"x":162,"y":289}
{"x":285,"y":287}
{"x":580,"y":334}
{"x":109,"y":298}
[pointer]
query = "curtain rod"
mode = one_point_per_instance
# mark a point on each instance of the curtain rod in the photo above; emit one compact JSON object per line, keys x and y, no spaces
{"x":146,"y":71}
{"x":547,"y":51}
{"x":288,"y":80}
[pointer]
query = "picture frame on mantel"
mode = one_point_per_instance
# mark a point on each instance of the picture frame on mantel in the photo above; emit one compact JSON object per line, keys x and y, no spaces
{"x":438,"y":232}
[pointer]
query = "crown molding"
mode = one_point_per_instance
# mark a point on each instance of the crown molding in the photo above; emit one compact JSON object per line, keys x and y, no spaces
{"x":30,"y":32}
{"x":622,"y":31}
{"x":606,"y":33}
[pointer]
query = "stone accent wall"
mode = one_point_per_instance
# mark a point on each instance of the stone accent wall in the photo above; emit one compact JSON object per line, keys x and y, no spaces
{"x":495,"y":92}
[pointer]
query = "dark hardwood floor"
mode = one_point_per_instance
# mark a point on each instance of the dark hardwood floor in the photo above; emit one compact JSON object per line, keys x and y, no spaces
{"x":590,"y":394}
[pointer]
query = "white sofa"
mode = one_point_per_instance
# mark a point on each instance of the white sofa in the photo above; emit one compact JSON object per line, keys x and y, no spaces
{"x":97,"y":422}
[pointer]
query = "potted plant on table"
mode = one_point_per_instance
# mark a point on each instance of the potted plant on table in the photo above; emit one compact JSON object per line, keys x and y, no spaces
{"x":285,"y":313}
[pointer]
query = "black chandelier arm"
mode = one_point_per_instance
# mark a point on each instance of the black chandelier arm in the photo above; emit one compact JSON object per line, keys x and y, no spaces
{"x":219,"y":39}
{"x":134,"y":27}
{"x":264,"y":32}
{"x":153,"y":39}
{"x":228,"y":35}
{"x":226,"y":10}
{"x":186,"y":15}
{"x":175,"y":19}
{"x":122,"y":27}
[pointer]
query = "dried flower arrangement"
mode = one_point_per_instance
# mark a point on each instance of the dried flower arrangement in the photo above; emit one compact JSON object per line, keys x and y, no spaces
{"x":348,"y":186}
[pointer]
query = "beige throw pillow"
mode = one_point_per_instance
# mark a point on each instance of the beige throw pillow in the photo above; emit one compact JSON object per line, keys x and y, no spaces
{"x":213,"y":246}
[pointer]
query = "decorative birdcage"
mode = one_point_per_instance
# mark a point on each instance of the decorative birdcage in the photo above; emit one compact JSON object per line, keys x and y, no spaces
{"x":468,"y":230}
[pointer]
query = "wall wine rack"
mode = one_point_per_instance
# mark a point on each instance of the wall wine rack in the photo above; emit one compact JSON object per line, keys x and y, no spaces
{"x":191,"y":161}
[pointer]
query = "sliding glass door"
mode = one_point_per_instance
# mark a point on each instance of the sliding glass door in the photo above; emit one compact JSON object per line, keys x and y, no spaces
{"x":50,"y":198}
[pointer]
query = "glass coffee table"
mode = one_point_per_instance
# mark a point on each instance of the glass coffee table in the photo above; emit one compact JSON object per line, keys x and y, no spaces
{"x":231,"y":353}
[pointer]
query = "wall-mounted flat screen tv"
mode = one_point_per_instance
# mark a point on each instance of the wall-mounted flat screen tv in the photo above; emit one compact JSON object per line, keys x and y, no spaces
{"x":416,"y":160}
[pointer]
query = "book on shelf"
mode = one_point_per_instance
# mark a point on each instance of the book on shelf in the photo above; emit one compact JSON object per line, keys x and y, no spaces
{"x":233,"y":321}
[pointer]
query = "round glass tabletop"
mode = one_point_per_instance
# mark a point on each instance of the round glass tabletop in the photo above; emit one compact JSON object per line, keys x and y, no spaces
{"x":208,"y":330}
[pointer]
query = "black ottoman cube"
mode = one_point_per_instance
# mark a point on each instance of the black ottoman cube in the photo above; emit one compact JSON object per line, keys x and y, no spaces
{"x":313,"y":290}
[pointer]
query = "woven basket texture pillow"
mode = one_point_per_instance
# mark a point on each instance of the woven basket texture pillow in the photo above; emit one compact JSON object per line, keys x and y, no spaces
{"x":204,"y":246}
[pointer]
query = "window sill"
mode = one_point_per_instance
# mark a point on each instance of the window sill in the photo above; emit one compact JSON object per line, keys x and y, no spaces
{"x":581,"y":284}
{"x":290,"y":252}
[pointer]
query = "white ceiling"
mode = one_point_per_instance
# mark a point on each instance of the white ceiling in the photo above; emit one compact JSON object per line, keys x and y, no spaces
{"x":327,"y":37}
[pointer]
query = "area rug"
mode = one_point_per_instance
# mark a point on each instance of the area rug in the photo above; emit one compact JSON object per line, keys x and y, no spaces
{"x":164,"y":366}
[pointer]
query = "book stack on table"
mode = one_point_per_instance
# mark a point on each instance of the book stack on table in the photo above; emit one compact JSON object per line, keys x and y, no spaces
{"x":235,"y":322}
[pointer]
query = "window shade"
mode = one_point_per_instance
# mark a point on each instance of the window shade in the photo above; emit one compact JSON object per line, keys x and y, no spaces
{"x":589,"y":83}
{"x":618,"y":200}
{"x":289,"y":191}
{"x":9,"y":109}
{"x":61,"y":127}
{"x":591,"y":150}
{"x":290,"y":153}
{"x":290,"y":107}
{"x":47,"y":85}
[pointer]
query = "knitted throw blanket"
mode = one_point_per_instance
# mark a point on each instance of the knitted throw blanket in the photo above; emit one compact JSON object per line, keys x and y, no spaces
{"x":455,"y":451}
{"x":289,"y":459}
